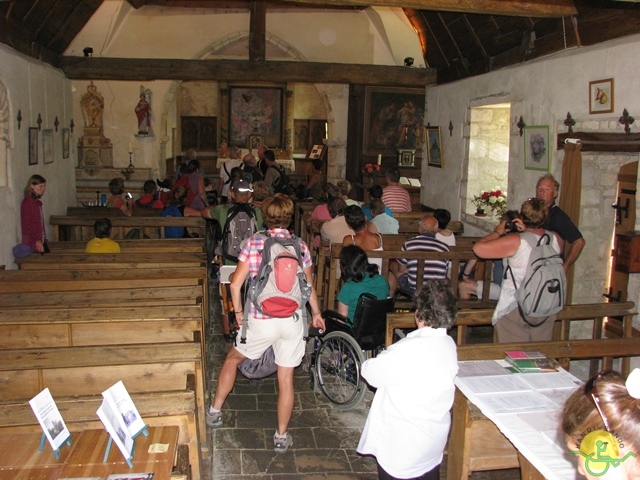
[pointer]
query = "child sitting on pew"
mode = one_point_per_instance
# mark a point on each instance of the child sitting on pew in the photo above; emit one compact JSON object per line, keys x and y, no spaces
{"x":102,"y":243}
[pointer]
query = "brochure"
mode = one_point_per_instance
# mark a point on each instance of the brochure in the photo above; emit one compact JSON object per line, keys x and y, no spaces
{"x":50,"y":420}
{"x":117,"y":429}
{"x":527,"y":362}
{"x":121,"y":401}
{"x":130,"y":476}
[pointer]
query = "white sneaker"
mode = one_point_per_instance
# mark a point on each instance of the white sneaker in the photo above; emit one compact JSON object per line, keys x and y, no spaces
{"x":281,"y":443}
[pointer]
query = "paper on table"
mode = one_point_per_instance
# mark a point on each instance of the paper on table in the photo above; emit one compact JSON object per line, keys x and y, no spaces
{"x":496,"y":384}
{"x":477,"y":368}
{"x":516,"y":402}
{"x":550,"y":380}
{"x":548,"y":425}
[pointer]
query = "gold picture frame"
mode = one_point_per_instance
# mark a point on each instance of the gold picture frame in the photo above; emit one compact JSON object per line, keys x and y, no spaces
{"x":601,"y":96}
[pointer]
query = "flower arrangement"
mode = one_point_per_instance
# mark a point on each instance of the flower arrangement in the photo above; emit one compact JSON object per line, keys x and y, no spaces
{"x":371,"y":170}
{"x":495,"y":199}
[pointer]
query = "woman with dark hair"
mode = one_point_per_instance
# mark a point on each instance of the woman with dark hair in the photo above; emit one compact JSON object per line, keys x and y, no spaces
{"x":336,"y":229}
{"x":315,"y":185}
{"x":31,"y":215}
{"x":444,"y":235}
{"x":321,"y":212}
{"x":509,"y":324}
{"x":196,"y":184}
{"x":363,"y":238}
{"x":116,"y":188}
{"x":605,"y":413}
{"x":375,"y":191}
{"x":359,"y":277}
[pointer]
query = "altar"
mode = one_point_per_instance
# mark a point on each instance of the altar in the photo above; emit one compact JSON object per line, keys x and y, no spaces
{"x":289,"y":164}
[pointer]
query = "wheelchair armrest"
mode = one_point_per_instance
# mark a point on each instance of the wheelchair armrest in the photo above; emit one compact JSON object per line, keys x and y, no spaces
{"x":333,"y":315}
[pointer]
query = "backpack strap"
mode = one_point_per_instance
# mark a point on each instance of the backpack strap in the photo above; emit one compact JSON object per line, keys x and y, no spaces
{"x":224,"y":166}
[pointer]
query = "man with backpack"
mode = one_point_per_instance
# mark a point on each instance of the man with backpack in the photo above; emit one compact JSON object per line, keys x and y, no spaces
{"x":275,"y":311}
{"x":276,"y":178}
{"x":534,"y":282}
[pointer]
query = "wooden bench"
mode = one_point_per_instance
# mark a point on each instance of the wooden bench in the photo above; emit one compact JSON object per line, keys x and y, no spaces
{"x":78,"y":374}
{"x":158,"y":245}
{"x":471,"y":432}
{"x":70,"y":261}
{"x":99,"y":274}
{"x":80,"y":227}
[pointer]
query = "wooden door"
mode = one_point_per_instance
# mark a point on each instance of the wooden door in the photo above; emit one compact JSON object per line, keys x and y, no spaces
{"x":625,"y":221}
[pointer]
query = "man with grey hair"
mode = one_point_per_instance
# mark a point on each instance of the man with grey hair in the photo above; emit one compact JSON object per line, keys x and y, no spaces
{"x":559,"y":222}
{"x":404,"y":273}
{"x":249,"y":169}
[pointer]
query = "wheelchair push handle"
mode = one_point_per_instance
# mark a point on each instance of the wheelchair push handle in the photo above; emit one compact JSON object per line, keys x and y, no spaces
{"x":315,"y":332}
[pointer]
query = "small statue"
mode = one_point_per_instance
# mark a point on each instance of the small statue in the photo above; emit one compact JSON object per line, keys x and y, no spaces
{"x":92,"y":105}
{"x":143,"y":112}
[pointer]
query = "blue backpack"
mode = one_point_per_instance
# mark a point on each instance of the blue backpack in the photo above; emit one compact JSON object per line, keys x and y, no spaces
{"x":172,"y":232}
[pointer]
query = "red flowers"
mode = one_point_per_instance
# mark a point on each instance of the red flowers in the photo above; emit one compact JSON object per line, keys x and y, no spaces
{"x":371,"y":169}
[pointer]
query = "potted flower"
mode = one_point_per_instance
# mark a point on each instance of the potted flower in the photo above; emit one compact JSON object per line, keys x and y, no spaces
{"x":371,"y":170}
{"x":494,"y":200}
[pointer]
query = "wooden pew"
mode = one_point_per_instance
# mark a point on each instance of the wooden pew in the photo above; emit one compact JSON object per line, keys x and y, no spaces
{"x":159,"y":245}
{"x":80,"y":227}
{"x":69,"y":261}
{"x":75,"y":374}
{"x":598,"y":312}
{"x":471,"y":432}
{"x":97,"y":273}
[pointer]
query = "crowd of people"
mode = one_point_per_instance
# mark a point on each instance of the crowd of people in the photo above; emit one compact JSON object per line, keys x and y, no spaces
{"x":408,"y":423}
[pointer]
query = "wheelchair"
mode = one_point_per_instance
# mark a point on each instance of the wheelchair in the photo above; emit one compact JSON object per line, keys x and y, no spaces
{"x":336,"y":360}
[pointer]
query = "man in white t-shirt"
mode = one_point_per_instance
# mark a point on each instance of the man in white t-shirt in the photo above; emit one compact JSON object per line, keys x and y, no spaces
{"x":225,"y":173}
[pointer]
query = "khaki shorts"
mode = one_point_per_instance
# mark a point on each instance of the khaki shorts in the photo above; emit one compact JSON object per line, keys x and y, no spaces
{"x":284,"y":334}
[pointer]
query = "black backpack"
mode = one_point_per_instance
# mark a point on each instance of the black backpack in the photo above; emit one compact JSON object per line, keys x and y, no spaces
{"x":282,"y":184}
{"x":241,"y":224}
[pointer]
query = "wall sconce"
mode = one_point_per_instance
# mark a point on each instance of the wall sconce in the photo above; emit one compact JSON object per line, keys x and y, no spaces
{"x":408,"y":61}
{"x":88,"y":51}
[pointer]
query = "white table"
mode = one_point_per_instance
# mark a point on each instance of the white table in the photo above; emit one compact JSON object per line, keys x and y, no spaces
{"x":526,"y":410}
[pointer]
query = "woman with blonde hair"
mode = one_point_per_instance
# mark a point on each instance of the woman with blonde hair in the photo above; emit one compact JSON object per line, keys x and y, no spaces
{"x":283,"y":334}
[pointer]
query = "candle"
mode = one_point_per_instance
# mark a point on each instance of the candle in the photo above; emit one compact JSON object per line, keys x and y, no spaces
{"x":379,"y":159}
{"x":130,"y":147}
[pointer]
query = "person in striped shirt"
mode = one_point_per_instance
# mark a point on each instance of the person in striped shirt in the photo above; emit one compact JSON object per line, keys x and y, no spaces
{"x":394,"y":196}
{"x":403,"y":274}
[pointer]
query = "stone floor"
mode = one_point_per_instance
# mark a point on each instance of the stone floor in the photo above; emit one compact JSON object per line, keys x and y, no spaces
{"x":325,"y":438}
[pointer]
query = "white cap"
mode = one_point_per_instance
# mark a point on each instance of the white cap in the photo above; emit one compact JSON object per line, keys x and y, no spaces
{"x":633,"y":383}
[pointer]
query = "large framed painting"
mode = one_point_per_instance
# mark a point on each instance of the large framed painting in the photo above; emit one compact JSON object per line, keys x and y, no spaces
{"x":256,"y":111}
{"x":393,"y":120}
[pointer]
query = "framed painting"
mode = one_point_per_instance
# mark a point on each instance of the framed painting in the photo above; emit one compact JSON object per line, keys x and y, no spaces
{"x":393,"y":120}
{"x":536,"y":148}
{"x":256,"y":111}
{"x":601,"y":96}
{"x":47,"y":146}
{"x":65,"y":142}
{"x":434,"y":146}
{"x":33,"y":145}
{"x":406,"y":158}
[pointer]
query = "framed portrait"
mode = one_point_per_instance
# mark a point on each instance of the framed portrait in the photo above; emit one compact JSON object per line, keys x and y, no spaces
{"x":65,"y":142}
{"x":406,"y":158}
{"x":254,"y":141}
{"x":434,"y":146}
{"x":47,"y":146}
{"x":33,"y":145}
{"x":601,"y":96}
{"x":536,"y":148}
{"x":393,"y":120}
{"x":256,"y":111}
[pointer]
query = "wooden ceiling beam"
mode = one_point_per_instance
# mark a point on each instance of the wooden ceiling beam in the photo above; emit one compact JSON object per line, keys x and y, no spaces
{"x":513,"y":8}
{"x":102,"y":68}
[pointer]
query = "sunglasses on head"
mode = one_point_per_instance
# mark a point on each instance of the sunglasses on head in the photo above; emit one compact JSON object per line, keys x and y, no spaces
{"x":591,"y":390}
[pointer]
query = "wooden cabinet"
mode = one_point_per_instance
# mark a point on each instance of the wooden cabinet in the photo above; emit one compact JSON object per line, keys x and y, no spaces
{"x":199,"y":133}
{"x":307,"y":132}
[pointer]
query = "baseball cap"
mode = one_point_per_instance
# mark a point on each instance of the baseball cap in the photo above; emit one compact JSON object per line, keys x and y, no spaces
{"x":241,"y":186}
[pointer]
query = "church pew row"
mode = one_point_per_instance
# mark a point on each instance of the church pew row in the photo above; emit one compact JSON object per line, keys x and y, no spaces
{"x":596,"y":312}
{"x":158,"y":409}
{"x":80,"y":227}
{"x":168,"y":376}
{"x":469,"y":427}
{"x":124,"y":274}
{"x":158,"y":245}
{"x":456,"y":256}
{"x":70,"y":261}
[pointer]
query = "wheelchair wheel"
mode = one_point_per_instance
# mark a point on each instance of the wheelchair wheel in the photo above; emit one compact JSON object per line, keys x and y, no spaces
{"x":338,"y":370}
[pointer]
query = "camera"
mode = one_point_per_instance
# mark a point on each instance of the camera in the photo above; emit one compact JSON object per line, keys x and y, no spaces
{"x":511,"y":226}
{"x":129,"y":196}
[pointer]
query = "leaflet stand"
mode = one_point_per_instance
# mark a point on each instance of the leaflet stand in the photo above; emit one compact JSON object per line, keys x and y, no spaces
{"x":56,"y":453}
{"x":106,"y":453}
{"x":144,"y":430}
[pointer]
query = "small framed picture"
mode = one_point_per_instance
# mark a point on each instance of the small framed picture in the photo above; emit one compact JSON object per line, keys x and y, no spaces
{"x":33,"y":145}
{"x":434,"y":147}
{"x":65,"y":142}
{"x":316,"y":152}
{"x":536,"y":148}
{"x":601,"y":96}
{"x":254,"y":141}
{"x":406,"y":158}
{"x":47,"y":146}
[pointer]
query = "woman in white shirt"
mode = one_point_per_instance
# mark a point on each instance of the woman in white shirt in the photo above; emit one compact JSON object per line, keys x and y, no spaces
{"x":409,"y":420}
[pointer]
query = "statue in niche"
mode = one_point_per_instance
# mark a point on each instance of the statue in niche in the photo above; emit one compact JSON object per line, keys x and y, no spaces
{"x":143,"y":112}
{"x":92,"y":106}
